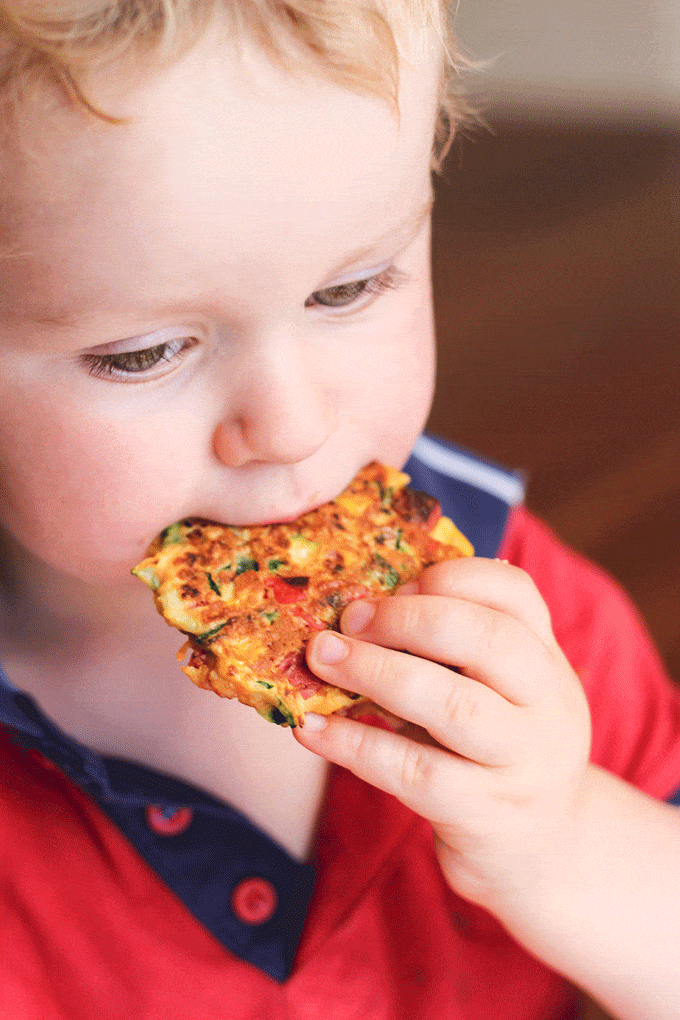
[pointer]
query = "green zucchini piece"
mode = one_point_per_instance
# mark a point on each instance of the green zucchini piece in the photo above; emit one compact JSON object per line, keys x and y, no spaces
{"x":213,"y":584}
{"x":246,"y":564}
{"x":172,"y":535}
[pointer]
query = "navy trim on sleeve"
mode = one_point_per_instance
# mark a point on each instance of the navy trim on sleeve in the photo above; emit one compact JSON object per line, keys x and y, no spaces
{"x":475,"y":493}
{"x":675,"y":799}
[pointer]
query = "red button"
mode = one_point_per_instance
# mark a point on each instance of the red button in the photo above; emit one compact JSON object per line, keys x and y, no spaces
{"x":168,"y":821}
{"x":254,"y":900}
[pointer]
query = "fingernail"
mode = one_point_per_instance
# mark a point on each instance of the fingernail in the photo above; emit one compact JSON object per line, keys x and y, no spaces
{"x":357,"y":616}
{"x":315,"y":723}
{"x":330,"y":648}
{"x":408,"y":589}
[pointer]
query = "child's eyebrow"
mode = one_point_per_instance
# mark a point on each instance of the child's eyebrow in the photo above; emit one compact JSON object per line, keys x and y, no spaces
{"x":403,"y":232}
{"x":407,"y":229}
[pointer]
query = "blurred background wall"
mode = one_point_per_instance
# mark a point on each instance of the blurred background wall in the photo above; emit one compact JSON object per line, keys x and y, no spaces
{"x":600,"y":60}
{"x":556,"y":253}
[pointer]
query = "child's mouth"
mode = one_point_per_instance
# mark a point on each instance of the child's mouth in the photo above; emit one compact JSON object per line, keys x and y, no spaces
{"x":288,"y":518}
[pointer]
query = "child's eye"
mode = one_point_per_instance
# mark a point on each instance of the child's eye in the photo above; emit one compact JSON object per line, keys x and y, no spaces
{"x":346,"y":294}
{"x":136,"y":362}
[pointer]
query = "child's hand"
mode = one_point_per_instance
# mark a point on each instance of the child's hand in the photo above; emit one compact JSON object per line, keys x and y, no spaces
{"x":497,"y":757}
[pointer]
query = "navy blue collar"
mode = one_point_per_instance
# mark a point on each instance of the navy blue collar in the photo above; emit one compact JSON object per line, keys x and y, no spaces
{"x":110,"y":780}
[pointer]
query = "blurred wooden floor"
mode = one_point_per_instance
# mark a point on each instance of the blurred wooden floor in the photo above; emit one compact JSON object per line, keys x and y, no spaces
{"x":556,"y":258}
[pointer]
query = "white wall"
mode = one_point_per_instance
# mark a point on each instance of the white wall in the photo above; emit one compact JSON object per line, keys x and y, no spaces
{"x":596,"y":59}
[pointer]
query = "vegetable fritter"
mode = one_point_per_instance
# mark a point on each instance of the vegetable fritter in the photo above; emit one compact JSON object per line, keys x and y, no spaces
{"x":249,"y":598}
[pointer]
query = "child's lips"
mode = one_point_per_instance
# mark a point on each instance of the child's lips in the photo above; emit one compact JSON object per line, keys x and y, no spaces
{"x":284,"y":520}
{"x":289,"y":518}
{"x":285,"y":516}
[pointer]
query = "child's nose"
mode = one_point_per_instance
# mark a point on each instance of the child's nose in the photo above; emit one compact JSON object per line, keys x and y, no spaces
{"x":280,"y":416}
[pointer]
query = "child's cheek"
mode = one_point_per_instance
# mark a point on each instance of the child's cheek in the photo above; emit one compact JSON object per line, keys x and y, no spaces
{"x":87,"y":495}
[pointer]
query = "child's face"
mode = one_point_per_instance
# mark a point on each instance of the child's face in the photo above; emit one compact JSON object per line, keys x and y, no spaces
{"x":174,"y":336}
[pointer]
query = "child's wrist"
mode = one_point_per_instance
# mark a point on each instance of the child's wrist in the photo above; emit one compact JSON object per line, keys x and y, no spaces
{"x":548,"y":904}
{"x":592,"y":913}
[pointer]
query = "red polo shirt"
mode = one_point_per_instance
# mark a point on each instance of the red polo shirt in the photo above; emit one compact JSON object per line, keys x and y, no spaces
{"x":90,"y":930}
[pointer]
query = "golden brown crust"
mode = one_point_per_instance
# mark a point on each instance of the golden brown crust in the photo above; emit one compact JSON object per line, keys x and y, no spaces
{"x":250,"y":598}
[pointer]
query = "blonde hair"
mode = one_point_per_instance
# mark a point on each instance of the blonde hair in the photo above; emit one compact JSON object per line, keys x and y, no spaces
{"x":356,"y":43}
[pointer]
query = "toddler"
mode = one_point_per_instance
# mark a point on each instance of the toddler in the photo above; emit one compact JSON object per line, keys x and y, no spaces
{"x":215,"y":300}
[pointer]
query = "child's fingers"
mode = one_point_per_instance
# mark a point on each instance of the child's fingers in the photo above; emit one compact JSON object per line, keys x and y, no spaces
{"x":487,"y":645}
{"x":490,"y":583}
{"x":426,"y":779}
{"x":461,"y":714}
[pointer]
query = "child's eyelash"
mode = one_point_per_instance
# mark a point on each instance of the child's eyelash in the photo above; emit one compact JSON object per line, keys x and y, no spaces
{"x":132,"y":362}
{"x":390,"y":279}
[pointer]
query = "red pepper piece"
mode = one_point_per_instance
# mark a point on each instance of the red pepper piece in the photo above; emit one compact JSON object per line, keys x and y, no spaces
{"x":285,"y":593}
{"x":313,"y":624}
{"x":433,"y":518}
{"x":299,"y":675}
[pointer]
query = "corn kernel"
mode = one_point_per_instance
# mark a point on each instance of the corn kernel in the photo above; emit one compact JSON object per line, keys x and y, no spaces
{"x":354,"y":504}
{"x":445,"y":531}
{"x":396,"y":479}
